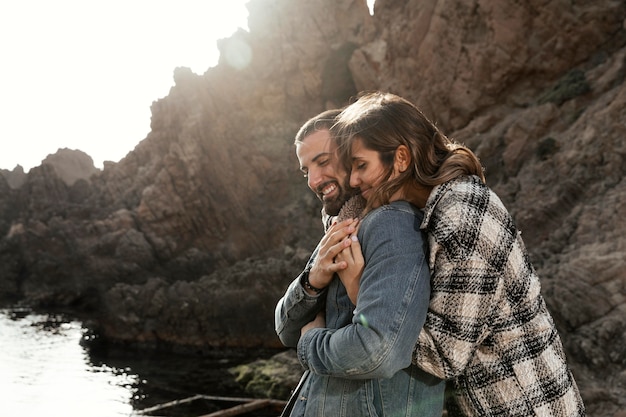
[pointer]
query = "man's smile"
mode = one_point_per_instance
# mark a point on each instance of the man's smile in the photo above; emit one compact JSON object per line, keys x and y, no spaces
{"x":328,"y":189}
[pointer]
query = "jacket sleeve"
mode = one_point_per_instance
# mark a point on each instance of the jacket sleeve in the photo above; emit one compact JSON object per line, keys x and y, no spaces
{"x":296,"y":308}
{"x":391,"y":306}
{"x":469,"y":248}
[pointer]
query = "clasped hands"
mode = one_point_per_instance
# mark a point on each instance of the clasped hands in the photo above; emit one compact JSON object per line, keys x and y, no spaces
{"x":340,"y":253}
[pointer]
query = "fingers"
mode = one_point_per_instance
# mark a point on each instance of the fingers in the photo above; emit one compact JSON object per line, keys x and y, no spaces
{"x":336,"y":234}
{"x":339,"y":231}
{"x":356,"y":251}
{"x":351,"y":275}
{"x":336,"y":251}
{"x":351,"y":254}
{"x":333,"y":243}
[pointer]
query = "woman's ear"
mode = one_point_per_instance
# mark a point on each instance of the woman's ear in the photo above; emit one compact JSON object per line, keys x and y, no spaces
{"x":402,"y":159}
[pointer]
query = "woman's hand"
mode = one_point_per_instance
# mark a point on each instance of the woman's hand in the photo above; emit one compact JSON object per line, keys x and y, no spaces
{"x":334,"y":241}
{"x":318,"y":322}
{"x":351,"y":275}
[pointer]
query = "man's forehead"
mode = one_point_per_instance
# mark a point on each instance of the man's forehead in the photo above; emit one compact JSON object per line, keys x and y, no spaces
{"x":316,"y":144}
{"x":319,"y":139}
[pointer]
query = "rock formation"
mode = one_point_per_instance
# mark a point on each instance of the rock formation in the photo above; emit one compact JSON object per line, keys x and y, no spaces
{"x":14,"y":178}
{"x":192,"y":237}
{"x":71,"y":165}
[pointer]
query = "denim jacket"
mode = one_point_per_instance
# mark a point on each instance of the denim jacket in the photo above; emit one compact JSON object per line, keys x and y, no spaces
{"x":360,"y":364}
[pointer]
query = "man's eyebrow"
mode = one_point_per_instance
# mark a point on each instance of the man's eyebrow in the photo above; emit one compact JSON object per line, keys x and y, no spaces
{"x":320,"y":155}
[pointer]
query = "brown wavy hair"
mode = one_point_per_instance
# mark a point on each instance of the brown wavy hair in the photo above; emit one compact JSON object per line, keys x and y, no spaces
{"x":383,"y":122}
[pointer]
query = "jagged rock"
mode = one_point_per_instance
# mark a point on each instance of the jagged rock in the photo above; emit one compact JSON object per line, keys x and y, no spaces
{"x":193,"y":236}
{"x":232,"y":307}
{"x":71,"y":165}
{"x":14,"y":178}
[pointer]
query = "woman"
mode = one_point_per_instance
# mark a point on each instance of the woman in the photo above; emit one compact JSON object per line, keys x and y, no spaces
{"x":487,"y":327}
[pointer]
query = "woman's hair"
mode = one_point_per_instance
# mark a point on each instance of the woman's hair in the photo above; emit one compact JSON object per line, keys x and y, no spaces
{"x":323,"y":121}
{"x":383,"y":122}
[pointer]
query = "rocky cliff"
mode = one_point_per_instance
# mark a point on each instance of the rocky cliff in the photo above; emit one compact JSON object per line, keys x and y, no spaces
{"x":192,"y":237}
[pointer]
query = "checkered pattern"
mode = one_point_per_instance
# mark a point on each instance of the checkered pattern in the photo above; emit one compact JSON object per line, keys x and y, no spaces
{"x":488,"y":328}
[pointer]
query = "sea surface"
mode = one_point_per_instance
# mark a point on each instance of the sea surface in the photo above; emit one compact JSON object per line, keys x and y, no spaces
{"x":46,"y":371}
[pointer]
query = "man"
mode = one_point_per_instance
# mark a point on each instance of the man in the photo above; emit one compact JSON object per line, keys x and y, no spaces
{"x":357,"y":358}
{"x":316,"y":150}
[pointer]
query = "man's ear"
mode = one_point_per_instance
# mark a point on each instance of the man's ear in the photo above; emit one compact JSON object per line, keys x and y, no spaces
{"x":402,"y":159}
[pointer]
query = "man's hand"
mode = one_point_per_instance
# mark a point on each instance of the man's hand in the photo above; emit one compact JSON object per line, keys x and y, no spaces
{"x":336,"y":239}
{"x":351,"y":275}
{"x":318,"y":322}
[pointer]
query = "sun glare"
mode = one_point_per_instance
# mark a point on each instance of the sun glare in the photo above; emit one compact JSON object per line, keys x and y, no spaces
{"x":82,"y":75}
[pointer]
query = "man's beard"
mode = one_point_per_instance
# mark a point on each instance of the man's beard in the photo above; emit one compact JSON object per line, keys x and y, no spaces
{"x":332,"y":206}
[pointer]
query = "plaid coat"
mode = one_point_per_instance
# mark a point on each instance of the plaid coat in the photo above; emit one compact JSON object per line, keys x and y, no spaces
{"x":488,"y":328}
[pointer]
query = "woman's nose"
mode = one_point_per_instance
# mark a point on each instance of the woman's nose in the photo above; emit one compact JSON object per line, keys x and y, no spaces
{"x":354,"y":180}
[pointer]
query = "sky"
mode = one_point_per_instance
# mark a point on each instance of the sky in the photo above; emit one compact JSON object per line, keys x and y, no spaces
{"x":82,"y":74}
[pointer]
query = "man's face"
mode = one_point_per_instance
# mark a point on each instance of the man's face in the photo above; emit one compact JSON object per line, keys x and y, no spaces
{"x":325,"y":177}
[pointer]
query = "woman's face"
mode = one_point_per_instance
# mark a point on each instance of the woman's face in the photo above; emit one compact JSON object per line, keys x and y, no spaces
{"x":367,"y":169}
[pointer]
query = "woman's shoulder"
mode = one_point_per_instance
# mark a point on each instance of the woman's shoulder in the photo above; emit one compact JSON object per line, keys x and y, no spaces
{"x":392,"y":218}
{"x":397,"y":223}
{"x":457,"y":202}
{"x":395,"y":209}
{"x":463,"y":188}
{"x":463,"y":204}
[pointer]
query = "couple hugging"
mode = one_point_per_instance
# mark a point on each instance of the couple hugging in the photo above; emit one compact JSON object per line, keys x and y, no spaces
{"x":421,"y":279}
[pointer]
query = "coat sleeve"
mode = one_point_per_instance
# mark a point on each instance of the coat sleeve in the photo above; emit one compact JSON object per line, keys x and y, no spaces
{"x":391,"y":306}
{"x":296,"y":308}
{"x":469,"y":247}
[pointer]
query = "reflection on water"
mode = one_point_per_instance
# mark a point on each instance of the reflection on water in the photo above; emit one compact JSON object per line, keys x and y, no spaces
{"x":44,"y":371}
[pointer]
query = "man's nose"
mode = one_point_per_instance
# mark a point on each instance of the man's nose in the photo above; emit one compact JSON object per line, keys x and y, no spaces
{"x":314,"y":178}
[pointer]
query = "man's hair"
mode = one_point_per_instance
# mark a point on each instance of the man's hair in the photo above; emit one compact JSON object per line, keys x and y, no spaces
{"x":323,"y":121}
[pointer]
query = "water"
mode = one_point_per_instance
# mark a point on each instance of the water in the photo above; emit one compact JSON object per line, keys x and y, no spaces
{"x":45,"y":371}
